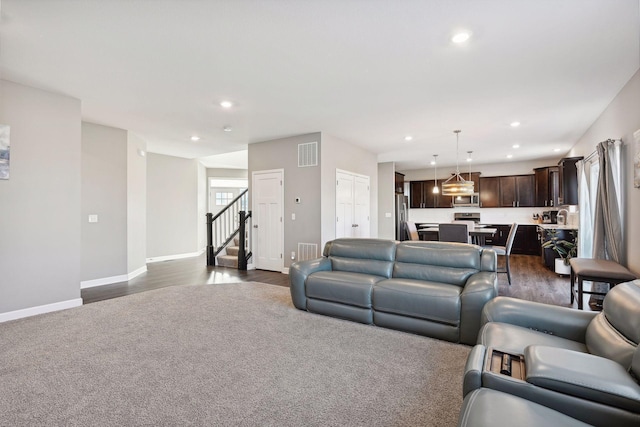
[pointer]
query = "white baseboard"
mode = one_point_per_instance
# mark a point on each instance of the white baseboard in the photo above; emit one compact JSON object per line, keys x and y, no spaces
{"x":285,"y":270}
{"x":41,"y":309}
{"x":103,"y":281}
{"x":113,"y":279}
{"x":176,"y":256}
{"x":136,"y":273}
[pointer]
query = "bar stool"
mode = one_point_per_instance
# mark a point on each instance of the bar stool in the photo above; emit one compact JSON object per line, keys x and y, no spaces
{"x":596,"y":270}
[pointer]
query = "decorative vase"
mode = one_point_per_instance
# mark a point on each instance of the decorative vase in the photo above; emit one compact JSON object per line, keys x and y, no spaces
{"x":562,"y":268}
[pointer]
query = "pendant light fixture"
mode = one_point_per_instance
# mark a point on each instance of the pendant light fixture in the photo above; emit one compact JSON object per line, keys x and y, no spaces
{"x":456,"y":185}
{"x":436,"y":190}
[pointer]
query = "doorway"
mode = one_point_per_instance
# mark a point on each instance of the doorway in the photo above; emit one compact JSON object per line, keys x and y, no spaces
{"x":268,"y":214}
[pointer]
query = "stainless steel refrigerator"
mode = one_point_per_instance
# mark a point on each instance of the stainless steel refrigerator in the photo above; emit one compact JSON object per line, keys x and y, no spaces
{"x":401,"y":215}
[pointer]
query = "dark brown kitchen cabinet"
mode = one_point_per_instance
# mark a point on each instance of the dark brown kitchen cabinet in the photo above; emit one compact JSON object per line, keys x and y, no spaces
{"x":526,"y":241}
{"x":568,"y":181}
{"x":399,"y":183}
{"x":525,"y":189}
{"x":416,"y":194}
{"x":517,"y":191}
{"x":422,"y":196}
{"x":546,"y":186}
{"x":490,"y":192}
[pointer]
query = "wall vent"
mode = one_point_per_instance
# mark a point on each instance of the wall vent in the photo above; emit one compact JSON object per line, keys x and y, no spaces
{"x":307,"y":154}
{"x":307,"y":251}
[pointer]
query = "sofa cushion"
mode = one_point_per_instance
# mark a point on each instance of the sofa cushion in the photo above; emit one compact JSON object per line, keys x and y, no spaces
{"x":420,"y":299}
{"x":343,"y":287}
{"x":451,"y":263}
{"x":504,"y":336}
{"x":368,"y":256}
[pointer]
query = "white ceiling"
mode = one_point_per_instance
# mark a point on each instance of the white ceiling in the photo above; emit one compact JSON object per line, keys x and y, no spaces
{"x":366,"y":71}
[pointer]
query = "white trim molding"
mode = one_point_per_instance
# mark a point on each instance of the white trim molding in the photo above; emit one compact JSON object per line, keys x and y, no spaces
{"x":176,"y":256}
{"x":41,"y":309}
{"x":113,"y":279}
{"x":285,"y":270}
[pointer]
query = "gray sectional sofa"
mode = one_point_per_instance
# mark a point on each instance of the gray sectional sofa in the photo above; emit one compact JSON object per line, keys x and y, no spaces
{"x":434,"y":289}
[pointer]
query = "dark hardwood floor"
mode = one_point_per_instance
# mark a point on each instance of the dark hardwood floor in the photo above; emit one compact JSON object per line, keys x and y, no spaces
{"x":530,"y":280}
{"x":188,"y":271}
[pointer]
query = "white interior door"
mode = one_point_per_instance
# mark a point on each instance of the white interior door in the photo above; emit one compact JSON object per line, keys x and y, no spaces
{"x":344,"y":205}
{"x":268,"y":204}
{"x":361,"y":208}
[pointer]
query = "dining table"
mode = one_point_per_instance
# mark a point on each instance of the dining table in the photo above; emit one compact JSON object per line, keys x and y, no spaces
{"x":478,"y":234}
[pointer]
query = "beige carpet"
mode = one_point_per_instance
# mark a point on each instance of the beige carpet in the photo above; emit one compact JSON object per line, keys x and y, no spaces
{"x":233,"y":354}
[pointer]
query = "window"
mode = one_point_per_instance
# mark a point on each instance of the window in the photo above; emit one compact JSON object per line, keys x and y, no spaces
{"x":223,"y":198}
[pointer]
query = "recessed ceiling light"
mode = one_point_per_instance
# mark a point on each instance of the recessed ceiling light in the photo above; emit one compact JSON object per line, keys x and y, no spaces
{"x":509,"y":156}
{"x":433,"y":162}
{"x":515,"y":124}
{"x":516,"y":145}
{"x":195,"y":138}
{"x":226,"y":104}
{"x":227,"y":129}
{"x":556,"y":149}
{"x":461,"y":37}
{"x":408,"y":138}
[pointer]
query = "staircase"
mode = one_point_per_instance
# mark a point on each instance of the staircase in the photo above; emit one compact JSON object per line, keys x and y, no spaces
{"x":231,"y":258}
{"x":228,"y":229}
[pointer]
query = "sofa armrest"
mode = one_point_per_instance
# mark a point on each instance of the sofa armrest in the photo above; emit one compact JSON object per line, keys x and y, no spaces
{"x":473,"y":369}
{"x":561,"y":321}
{"x":480,"y":288}
{"x":582,"y":375}
{"x":298,"y":273}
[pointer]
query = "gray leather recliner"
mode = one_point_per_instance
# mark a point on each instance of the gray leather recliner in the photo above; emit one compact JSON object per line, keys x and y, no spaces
{"x":583,"y":364}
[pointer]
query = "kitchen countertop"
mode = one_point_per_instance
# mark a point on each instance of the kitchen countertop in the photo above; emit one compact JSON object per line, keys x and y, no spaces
{"x":557,"y":227}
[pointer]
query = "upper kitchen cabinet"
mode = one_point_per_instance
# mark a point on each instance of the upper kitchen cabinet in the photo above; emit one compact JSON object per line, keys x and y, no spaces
{"x":422,"y":195}
{"x":399,"y":183}
{"x":568,"y":180}
{"x":517,"y":191}
{"x":490,"y":192}
{"x":507,"y":191}
{"x":547,"y":185}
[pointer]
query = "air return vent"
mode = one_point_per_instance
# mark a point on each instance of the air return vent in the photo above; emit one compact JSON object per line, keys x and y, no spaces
{"x":308,"y":154}
{"x":307,"y":251}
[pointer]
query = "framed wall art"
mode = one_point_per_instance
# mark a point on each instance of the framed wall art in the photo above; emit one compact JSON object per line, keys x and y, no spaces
{"x":4,"y":151}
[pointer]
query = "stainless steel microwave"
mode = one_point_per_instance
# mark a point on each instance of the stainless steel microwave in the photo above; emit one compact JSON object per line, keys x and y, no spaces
{"x":466,"y":201}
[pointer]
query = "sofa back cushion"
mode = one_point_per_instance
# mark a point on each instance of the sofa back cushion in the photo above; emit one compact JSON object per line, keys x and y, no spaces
{"x":615,"y":332}
{"x":369,"y":256}
{"x":442,"y":262}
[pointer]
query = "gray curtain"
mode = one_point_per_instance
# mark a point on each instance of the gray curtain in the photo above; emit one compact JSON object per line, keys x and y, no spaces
{"x":586,"y":205}
{"x":607,"y":231}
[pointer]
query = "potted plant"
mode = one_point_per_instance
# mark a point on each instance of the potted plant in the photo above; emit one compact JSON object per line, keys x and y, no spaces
{"x":564,"y":248}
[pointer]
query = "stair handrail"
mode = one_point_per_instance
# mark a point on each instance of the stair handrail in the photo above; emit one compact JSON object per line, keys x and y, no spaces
{"x":222,"y":228}
{"x":245,"y":242}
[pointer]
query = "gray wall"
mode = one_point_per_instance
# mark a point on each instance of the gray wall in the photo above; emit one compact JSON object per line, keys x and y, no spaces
{"x":172,"y":206}
{"x":136,"y":204}
{"x":104,"y":193}
{"x":202,"y":196}
{"x":40,"y":227}
{"x":227,"y":173}
{"x":386,"y":200}
{"x":298,"y":182}
{"x":620,"y":120}
{"x":337,"y":154}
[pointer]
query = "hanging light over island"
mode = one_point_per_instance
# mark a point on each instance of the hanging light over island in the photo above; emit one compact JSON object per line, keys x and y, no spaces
{"x":456,"y":185}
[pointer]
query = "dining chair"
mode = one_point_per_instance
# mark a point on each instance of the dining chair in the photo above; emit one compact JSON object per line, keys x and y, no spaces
{"x":412,"y":230}
{"x":453,"y":233}
{"x":506,"y":251}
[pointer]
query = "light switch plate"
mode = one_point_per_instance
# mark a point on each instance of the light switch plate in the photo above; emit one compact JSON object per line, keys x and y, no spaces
{"x":93,"y":218}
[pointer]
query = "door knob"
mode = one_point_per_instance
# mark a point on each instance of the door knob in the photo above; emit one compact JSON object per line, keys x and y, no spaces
{"x":255,"y":225}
